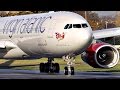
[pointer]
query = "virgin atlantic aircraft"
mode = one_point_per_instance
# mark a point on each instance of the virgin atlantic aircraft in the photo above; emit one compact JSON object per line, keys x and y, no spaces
{"x":52,"y":35}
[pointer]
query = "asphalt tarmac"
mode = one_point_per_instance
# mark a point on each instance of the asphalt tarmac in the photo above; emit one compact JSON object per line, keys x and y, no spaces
{"x":35,"y":74}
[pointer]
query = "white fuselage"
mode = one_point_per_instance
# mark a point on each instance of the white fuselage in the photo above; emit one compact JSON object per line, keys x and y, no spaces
{"x":44,"y":35}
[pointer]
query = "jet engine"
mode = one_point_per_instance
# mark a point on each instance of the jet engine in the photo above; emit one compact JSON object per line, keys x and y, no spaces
{"x":101,"y":55}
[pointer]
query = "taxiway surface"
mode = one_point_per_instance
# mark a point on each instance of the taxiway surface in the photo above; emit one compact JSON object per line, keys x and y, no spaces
{"x":35,"y":74}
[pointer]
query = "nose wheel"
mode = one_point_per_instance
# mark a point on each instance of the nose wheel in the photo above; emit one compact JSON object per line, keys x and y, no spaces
{"x":69,"y":69}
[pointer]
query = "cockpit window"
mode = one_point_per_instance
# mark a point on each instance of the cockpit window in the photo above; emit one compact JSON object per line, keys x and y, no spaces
{"x":76,"y":26}
{"x":68,"y":26}
{"x":84,"y":25}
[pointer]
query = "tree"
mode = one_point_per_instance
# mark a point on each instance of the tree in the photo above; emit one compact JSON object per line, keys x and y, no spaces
{"x":13,"y":13}
{"x":3,"y":13}
{"x":117,"y":20}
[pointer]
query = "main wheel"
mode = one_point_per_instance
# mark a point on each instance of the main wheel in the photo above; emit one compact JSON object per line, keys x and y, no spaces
{"x":72,"y":70}
{"x":57,"y":67}
{"x":66,"y":70}
{"x":46,"y":67}
{"x":52,"y":68}
{"x":42,"y":67}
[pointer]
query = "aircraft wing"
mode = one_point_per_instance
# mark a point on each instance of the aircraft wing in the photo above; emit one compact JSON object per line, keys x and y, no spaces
{"x":104,"y":33}
{"x":2,"y":45}
{"x":6,"y":44}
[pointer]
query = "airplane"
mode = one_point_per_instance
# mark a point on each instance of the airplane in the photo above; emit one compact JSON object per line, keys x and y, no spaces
{"x":60,"y":34}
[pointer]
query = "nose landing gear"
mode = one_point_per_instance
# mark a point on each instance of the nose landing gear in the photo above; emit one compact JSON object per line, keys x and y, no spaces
{"x":69,"y":69}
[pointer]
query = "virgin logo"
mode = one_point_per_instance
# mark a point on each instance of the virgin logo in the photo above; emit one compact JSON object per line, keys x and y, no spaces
{"x":60,"y":36}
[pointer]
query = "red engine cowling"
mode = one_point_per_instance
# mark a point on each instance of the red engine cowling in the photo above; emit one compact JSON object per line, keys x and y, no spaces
{"x":101,"y":55}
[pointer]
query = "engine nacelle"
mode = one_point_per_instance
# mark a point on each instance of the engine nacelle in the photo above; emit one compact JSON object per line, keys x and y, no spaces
{"x":101,"y":55}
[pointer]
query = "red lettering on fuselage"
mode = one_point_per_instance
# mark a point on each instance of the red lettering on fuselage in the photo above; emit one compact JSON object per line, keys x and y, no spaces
{"x":60,"y":36}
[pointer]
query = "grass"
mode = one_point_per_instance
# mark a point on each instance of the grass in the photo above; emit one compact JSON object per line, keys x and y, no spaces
{"x":79,"y":65}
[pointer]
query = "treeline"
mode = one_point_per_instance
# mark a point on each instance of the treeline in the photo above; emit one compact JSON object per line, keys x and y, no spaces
{"x":13,"y":13}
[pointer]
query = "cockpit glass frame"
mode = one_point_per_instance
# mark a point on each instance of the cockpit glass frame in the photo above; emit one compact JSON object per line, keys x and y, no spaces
{"x":76,"y":25}
{"x":84,"y":25}
{"x":69,"y":26}
{"x":66,"y":26}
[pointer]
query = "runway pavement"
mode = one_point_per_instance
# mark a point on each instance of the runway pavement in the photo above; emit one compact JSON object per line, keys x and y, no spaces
{"x":35,"y":74}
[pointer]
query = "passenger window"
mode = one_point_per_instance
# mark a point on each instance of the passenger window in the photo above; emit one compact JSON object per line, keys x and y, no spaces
{"x":84,"y":25}
{"x":76,"y":26}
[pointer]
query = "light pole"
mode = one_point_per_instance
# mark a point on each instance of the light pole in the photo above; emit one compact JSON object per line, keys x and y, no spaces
{"x":106,"y":24}
{"x":85,"y":15}
{"x":97,"y":25}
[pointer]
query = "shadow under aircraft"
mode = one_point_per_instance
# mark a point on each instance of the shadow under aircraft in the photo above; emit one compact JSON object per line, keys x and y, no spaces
{"x":7,"y":65}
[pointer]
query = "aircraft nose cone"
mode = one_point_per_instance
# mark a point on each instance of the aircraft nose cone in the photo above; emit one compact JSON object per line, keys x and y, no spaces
{"x":85,"y":39}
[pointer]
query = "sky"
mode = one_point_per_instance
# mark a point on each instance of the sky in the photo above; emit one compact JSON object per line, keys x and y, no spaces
{"x":106,"y":13}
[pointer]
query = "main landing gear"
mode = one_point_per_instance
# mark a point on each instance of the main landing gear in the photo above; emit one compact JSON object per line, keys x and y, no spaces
{"x":49,"y":67}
